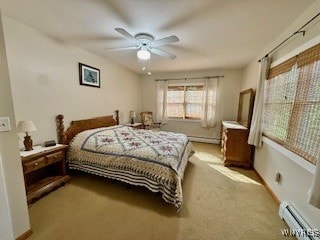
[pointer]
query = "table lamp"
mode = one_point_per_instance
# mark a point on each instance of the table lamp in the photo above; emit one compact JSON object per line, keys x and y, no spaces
{"x":26,"y":127}
{"x":132,"y":116}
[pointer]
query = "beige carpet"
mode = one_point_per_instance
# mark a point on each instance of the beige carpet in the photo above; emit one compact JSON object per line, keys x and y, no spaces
{"x":219,"y":203}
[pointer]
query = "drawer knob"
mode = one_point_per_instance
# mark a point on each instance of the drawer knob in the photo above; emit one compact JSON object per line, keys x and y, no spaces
{"x":36,"y":164}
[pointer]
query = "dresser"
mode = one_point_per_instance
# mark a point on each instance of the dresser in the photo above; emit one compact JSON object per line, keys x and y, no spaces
{"x":44,"y":169}
{"x":234,"y":147}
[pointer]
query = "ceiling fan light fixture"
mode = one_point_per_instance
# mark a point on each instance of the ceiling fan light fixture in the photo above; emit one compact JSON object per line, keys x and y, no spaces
{"x":143,"y":54}
{"x":145,"y":44}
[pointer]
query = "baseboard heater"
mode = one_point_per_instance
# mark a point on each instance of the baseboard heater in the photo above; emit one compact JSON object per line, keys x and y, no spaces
{"x":298,"y":226}
{"x":204,"y":139}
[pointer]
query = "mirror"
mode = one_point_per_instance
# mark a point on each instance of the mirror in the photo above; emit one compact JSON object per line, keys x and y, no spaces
{"x":245,"y":108}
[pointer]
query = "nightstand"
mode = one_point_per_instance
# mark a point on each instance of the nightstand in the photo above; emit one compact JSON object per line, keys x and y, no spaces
{"x":44,"y":169}
{"x":134,"y":125}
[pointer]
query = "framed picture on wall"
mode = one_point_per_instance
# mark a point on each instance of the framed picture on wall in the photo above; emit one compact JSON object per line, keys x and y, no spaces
{"x":89,"y":76}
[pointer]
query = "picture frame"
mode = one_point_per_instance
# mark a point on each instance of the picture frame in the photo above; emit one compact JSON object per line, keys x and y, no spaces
{"x":89,"y":76}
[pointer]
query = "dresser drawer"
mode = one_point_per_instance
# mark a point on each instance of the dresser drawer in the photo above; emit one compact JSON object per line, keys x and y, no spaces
{"x":55,"y":157}
{"x":34,"y":165}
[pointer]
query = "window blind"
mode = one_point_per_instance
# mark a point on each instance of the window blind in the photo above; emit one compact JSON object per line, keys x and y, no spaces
{"x":292,"y":104}
{"x":284,"y":67}
{"x":175,"y":101}
{"x":193,"y":101}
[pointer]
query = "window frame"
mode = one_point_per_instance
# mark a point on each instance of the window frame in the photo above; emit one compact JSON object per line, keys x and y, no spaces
{"x":185,"y":85}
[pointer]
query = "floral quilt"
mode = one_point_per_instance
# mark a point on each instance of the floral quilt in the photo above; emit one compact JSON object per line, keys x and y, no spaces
{"x":154,"y":159}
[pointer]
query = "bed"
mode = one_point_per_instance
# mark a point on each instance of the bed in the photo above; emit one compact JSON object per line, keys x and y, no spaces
{"x":153,"y":159}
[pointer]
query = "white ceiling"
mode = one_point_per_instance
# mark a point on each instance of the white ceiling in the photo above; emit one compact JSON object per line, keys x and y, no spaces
{"x":213,"y":33}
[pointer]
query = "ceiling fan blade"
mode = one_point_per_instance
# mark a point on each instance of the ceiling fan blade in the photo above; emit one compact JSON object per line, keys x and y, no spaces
{"x":123,"y":48}
{"x":162,"y":53}
{"x":166,"y":40}
{"x":125,"y":33}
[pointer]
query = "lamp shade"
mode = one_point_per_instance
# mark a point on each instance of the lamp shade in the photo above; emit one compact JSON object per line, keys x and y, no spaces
{"x":132,"y":114}
{"x":143,"y":54}
{"x":26,"y":126}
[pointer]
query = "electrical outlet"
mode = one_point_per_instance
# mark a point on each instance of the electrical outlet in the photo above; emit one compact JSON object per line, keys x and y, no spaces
{"x":277,"y":177}
{"x":5,"y":124}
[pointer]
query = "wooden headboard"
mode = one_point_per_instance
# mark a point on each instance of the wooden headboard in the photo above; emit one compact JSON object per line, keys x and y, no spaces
{"x":64,"y":137}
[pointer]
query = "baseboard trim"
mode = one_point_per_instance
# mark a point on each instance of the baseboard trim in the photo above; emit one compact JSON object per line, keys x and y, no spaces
{"x":274,"y":197}
{"x":204,"y":140}
{"x":25,"y":235}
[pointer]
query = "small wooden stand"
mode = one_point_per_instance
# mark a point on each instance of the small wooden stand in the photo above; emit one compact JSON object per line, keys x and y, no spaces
{"x":44,"y":169}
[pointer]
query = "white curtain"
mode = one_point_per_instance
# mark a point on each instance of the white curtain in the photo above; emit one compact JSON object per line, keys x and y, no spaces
{"x":162,"y":88}
{"x":314,"y":193}
{"x":209,"y":102}
{"x":255,"y":136}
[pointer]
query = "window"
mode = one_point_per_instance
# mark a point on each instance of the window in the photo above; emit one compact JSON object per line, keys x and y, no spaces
{"x":194,"y":95}
{"x":188,"y":100}
{"x":280,"y":92}
{"x":292,"y":104}
{"x":185,"y":101}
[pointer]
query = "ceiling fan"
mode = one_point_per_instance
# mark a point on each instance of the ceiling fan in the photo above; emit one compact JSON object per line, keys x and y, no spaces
{"x":146,"y":44}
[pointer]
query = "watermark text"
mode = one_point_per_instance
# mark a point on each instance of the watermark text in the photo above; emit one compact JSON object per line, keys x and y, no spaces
{"x":287,"y":232}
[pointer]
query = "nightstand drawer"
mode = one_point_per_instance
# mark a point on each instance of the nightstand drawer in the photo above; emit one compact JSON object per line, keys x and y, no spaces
{"x":55,"y":157}
{"x":34,"y":165}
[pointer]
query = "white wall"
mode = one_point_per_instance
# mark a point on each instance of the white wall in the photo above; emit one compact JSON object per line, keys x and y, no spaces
{"x":227,"y":108}
{"x":296,"y":181}
{"x":14,"y":220}
{"x":45,"y":82}
{"x":6,"y":230}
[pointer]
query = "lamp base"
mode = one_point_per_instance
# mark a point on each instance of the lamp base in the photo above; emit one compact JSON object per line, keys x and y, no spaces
{"x":27,"y":143}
